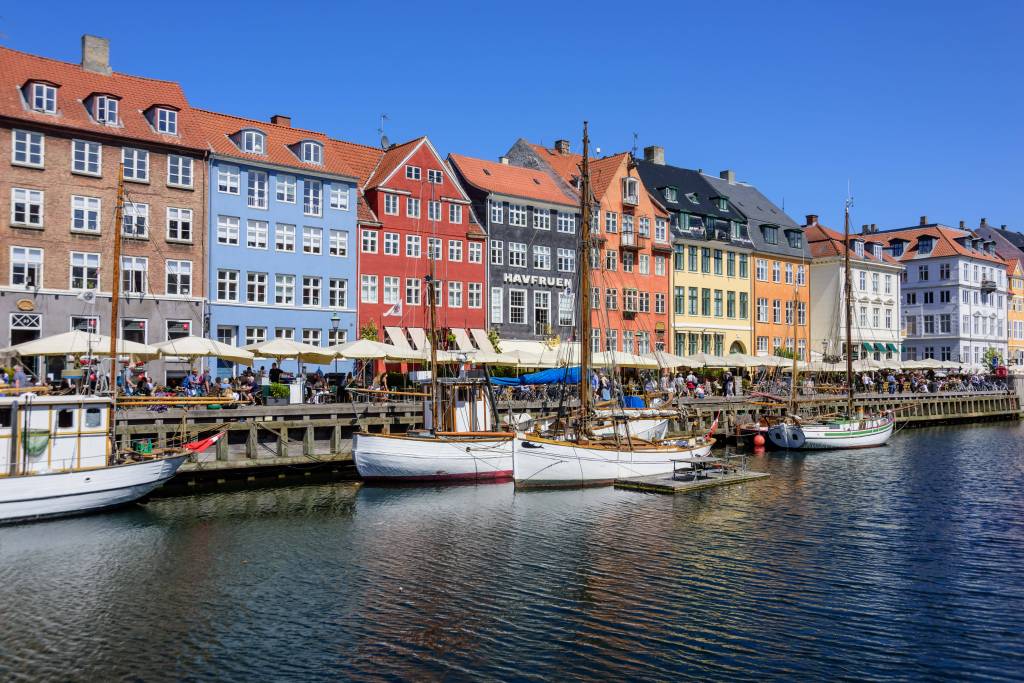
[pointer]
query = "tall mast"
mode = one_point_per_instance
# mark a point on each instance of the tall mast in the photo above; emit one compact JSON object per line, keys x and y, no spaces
{"x":115,"y":293}
{"x":583,"y":298}
{"x":848,"y":294}
{"x":795,"y":370}
{"x":431,"y":288}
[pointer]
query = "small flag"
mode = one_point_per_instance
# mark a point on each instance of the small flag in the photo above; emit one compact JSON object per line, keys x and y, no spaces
{"x":395,"y":310}
{"x":87,"y":295}
{"x":203,"y":444}
{"x":714,"y":426}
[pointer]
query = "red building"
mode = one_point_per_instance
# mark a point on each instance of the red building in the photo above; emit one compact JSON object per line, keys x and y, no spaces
{"x":416,"y":208}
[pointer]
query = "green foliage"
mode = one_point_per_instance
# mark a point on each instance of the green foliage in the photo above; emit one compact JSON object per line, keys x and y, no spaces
{"x":784,"y":353}
{"x":989,"y":354}
{"x":369,"y":331}
{"x":495,"y":339}
{"x":278,"y":390}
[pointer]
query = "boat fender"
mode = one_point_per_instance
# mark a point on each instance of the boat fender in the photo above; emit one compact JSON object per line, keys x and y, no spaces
{"x":787,"y":436}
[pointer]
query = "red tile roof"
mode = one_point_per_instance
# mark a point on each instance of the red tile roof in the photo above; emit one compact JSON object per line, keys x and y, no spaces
{"x":340,"y":158}
{"x":515,"y":181}
{"x":136,"y":95}
{"x":565,"y":165}
{"x":391,"y":159}
{"x":945,"y":243}
{"x":603,"y":171}
{"x":825,"y":242}
{"x":364,"y":214}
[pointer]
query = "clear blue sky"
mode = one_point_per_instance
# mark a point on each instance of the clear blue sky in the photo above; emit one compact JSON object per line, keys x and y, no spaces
{"x":918,"y":104}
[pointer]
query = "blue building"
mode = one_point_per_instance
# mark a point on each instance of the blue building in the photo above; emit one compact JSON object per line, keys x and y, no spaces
{"x":282,"y":223}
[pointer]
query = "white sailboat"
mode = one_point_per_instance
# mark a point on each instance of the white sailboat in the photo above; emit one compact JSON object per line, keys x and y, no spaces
{"x":61,"y":458}
{"x":583,"y":451}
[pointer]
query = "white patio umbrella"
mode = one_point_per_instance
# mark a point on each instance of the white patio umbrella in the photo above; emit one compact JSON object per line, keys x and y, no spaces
{"x":624,"y":360}
{"x":667,"y":360}
{"x":368,"y":349}
{"x":705,"y":360}
{"x":280,"y":349}
{"x":81,"y":343}
{"x":200,"y":347}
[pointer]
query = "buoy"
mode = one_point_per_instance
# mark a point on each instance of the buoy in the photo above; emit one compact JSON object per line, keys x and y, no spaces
{"x":758,"y":440}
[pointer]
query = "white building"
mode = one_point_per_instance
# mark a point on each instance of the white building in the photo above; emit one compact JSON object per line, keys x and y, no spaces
{"x":876,"y":294}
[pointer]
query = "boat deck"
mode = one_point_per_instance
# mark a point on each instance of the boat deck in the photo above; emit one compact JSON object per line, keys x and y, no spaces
{"x":664,"y":483}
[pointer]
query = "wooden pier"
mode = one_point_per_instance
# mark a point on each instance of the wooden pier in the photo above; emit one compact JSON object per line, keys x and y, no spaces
{"x":665,"y":483}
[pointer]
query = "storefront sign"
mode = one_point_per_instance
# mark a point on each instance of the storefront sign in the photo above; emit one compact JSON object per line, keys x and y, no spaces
{"x":538,"y":280}
{"x":25,"y":305}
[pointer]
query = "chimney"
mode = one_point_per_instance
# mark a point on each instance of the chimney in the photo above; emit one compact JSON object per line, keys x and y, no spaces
{"x":503,"y":160}
{"x":874,"y":227}
{"x":96,"y":54}
{"x":984,"y":223}
{"x":655,"y":155}
{"x":924,"y":220}
{"x":963,"y":225}
{"x":1003,"y":226}
{"x":812,"y":219}
{"x":728,"y":175}
{"x":281,"y":120}
{"x":562,"y":146}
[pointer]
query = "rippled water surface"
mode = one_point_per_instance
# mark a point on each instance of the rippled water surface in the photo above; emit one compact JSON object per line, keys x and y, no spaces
{"x":905,"y":561}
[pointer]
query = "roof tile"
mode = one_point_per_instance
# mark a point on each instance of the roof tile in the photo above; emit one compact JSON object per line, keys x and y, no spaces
{"x":516,"y":181}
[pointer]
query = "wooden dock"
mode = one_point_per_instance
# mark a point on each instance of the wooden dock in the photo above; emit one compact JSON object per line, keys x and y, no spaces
{"x":664,"y":483}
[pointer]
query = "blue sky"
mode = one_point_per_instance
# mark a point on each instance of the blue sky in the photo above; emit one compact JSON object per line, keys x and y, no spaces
{"x":917,"y":104}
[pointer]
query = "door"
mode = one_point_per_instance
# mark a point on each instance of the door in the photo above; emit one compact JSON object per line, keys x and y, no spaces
{"x":542,"y":313}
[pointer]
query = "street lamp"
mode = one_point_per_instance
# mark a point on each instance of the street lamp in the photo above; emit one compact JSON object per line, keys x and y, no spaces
{"x":335,"y":323}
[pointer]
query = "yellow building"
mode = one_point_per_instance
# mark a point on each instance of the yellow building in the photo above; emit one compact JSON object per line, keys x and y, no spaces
{"x":710,"y":297}
{"x":1015,"y":315}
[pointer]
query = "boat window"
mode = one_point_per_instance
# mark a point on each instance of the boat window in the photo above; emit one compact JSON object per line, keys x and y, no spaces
{"x":93,"y":417}
{"x":65,"y":418}
{"x":5,"y":418}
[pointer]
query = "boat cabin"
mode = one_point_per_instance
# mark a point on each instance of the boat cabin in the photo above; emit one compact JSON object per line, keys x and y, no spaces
{"x":43,"y":434}
{"x":465,"y":406}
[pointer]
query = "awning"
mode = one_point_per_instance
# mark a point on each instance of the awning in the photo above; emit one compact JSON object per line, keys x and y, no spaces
{"x":891,"y":347}
{"x":462,"y":339}
{"x":868,"y":347}
{"x":397,"y":335}
{"x":482,"y":340}
{"x":880,"y":347}
{"x":419,"y":338}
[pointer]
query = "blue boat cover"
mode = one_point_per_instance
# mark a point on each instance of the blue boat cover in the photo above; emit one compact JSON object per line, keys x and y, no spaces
{"x":552,"y":376}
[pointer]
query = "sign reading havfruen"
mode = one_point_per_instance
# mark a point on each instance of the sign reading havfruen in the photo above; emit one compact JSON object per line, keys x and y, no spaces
{"x":538,"y":280}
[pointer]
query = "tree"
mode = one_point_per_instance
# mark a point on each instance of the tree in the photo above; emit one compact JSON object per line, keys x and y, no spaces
{"x":369,"y":331}
{"x":990,"y":354}
{"x":784,"y":353}
{"x":495,"y":339}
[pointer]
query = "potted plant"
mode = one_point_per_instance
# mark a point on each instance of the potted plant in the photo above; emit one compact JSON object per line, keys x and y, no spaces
{"x":277,"y":395}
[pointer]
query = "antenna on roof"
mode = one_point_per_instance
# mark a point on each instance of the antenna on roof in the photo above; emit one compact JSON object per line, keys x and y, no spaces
{"x":384,"y":143}
{"x":635,"y":138}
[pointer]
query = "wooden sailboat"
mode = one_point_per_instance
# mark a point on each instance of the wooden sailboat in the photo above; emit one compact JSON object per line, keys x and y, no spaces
{"x":579,"y":455}
{"x":461,"y":440}
{"x":62,"y":456}
{"x":850,"y":430}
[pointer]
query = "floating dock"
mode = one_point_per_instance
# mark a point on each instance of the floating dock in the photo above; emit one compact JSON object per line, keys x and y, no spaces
{"x":664,"y":483}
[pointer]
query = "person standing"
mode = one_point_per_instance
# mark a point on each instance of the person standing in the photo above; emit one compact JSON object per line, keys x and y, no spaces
{"x":20,"y":378}
{"x":729,"y":382}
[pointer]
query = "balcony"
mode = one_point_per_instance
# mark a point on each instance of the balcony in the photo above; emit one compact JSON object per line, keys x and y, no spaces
{"x":631,"y":240}
{"x":630,"y":199}
{"x":988,"y":286}
{"x":718,"y":234}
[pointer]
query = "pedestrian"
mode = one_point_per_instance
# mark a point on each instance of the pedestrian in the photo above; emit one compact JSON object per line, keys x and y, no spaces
{"x":20,"y":378}
{"x":729,"y":382}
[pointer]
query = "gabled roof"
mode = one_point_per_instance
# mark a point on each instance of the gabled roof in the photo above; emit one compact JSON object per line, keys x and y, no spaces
{"x":76,"y":85}
{"x":345,"y":159}
{"x":566,"y":165}
{"x":603,"y":172}
{"x":364,"y":214}
{"x":658,"y":177}
{"x":1009,"y":244}
{"x":392,"y":159}
{"x":825,"y":242}
{"x":514,"y":181}
{"x":945,"y":242}
{"x":759,"y":211}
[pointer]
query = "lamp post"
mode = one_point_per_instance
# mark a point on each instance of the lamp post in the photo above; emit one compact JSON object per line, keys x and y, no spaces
{"x":335,"y":323}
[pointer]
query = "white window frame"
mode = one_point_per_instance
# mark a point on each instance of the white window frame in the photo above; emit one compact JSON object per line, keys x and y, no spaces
{"x":312,"y":197}
{"x":136,"y":164}
{"x":166,"y":121}
{"x":128,"y":265}
{"x":105,"y":109}
{"x":312,"y":240}
{"x":541,"y":257}
{"x":413,"y":246}
{"x":312,"y":291}
{"x":520,"y":251}
{"x":256,"y":189}
{"x":284,"y":188}
{"x":497,"y":252}
{"x":86,"y":158}
{"x":474,"y":295}
{"x":28,"y":198}
{"x":257,"y":287}
{"x":413,"y":172}
{"x":180,"y":171}
{"x":257,"y":234}
{"x":228,"y":230}
{"x":392,"y":240}
{"x":476,"y":252}
{"x":131,"y":215}
{"x":412,"y":207}
{"x":541,"y":219}
{"x":27,"y":259}
{"x":523,"y":309}
{"x":44,"y":98}
{"x":413,"y":291}
{"x":337,"y":292}
{"x":368,"y":293}
{"x":391,"y":204}
{"x":435,"y":176}
{"x":181,"y":269}
{"x":517,"y":215}
{"x":433,"y":210}
{"x":229,"y":180}
{"x":392,"y":290}
{"x":286,"y":231}
{"x":312,"y":152}
{"x":89,"y":263}
{"x":454,"y":294}
{"x":227,"y":285}
{"x":284,"y":289}
{"x":254,"y":142}
{"x":23,"y":143}
{"x":86,"y":212}
{"x":337,"y":243}
{"x":497,"y":305}
{"x":455,"y":214}
{"x":455,"y":250}
{"x":339,"y":198}
{"x":368,"y":240}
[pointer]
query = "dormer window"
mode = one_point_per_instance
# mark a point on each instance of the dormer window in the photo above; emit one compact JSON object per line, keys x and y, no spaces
{"x":671,"y":194}
{"x":924,"y":245}
{"x":876,"y":251}
{"x":692,"y":196}
{"x":312,"y":152}
{"x":896,"y":248}
{"x":105,"y":110}
{"x":795,"y":239}
{"x":723,"y":204}
{"x":858,"y":248}
{"x":44,"y":98}
{"x":254,"y":142}
{"x":770,"y":234}
{"x":166,"y":121}
{"x":630,"y":190}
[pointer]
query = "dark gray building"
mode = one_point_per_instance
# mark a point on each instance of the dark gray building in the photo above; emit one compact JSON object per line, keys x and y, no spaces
{"x":532,"y":222}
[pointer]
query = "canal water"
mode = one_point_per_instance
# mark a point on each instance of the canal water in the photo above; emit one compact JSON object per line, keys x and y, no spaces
{"x":905,"y":561}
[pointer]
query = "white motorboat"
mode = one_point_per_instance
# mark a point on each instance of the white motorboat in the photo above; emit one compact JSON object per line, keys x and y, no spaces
{"x":833,"y":434}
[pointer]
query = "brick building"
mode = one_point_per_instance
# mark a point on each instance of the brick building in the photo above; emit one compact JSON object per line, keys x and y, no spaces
{"x":64,"y":131}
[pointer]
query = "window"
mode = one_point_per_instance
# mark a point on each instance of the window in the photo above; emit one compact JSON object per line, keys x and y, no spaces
{"x":391,"y":204}
{"x":517,"y":306}
{"x":744,"y":305}
{"x":85,"y":214}
{"x":311,"y":336}
{"x":413,"y":246}
{"x":86,"y":157}
{"x":391,"y":243}
{"x":284,"y":188}
{"x":924,"y":245}
{"x":227,"y":285}
{"x":566,"y":222}
{"x":433,"y":210}
{"x":227,"y":230}
{"x":862,"y":282}
{"x":44,"y":98}
{"x":312,"y":153}
{"x":627,"y":226}
{"x":541,"y":219}
{"x":434,"y":176}
{"x":312,"y":197}
{"x":595,"y":298}
{"x":659,"y":303}
{"x":454,"y":250}
{"x":630,"y":190}
{"x":789,"y":274}
{"x":776,"y":272}
{"x":85,"y":270}
{"x":337,"y":243}
{"x":454,"y":295}
{"x":369,"y":242}
{"x":134,"y":274}
{"x":434,"y":248}
{"x":705,"y":302}
{"x":85,"y":323}
{"x":179,"y":225}
{"x":566,"y":260}
{"x":284,"y":290}
{"x":497,"y":252}
{"x":412,"y":291}
{"x":284,"y":237}
{"x":497,"y":211}
{"x":413,"y":172}
{"x":800,"y":277}
{"x":691,"y":259}
{"x":257,"y":234}
{"x":476,"y":252}
{"x":135,"y":220}
{"x":257,"y":189}
{"x":611,"y":299}
{"x":517,"y":215}
{"x":762,"y":310}
{"x":943,"y":271}
{"x":284,"y":333}
{"x":256,"y":288}
{"x":178,"y":278}
{"x":945,"y":322}
{"x":645,"y":264}
{"x":516,"y":255}
{"x":179,"y":171}
{"x":339,"y":198}
{"x":455,"y":214}
{"x":255,"y":335}
{"x":922,"y":273}
{"x":497,"y":304}
{"x":253,"y":142}
{"x":166,"y":121}
{"x":542,"y":257}
{"x":392,"y":285}
{"x":337,"y":293}
{"x":27,"y":149}
{"x":644,"y":226}
{"x":611,"y":260}
{"x":795,"y":239}
{"x":760,"y":269}
{"x":412,"y":207}
{"x":929,"y":297}
{"x":312,"y":240}
{"x":228,"y":179}
{"x":133,"y":330}
{"x":789,"y":312}
{"x":105,"y":110}
{"x":438,"y":289}
{"x":368,"y":289}
{"x":311,"y":286}
{"x":770,"y":234}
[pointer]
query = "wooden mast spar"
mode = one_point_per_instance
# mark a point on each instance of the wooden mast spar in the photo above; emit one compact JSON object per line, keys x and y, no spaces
{"x":435,"y":394}
{"x":115,"y":296}
{"x":583,"y":297}
{"x":848,"y":294}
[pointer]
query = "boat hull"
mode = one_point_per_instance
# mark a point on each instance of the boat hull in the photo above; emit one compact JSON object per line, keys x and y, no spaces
{"x":544,"y":463}
{"x":831,"y":436}
{"x":399,"y":458}
{"x":60,"y":494}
